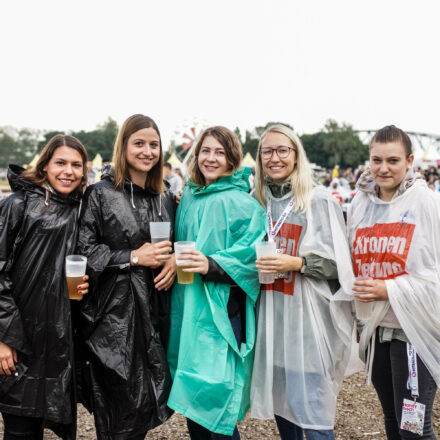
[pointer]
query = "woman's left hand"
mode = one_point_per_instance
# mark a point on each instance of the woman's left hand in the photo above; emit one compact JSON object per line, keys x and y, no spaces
{"x":279,"y":263}
{"x":83,"y":288}
{"x":370,"y":290}
{"x":166,"y":276}
{"x":199,"y":263}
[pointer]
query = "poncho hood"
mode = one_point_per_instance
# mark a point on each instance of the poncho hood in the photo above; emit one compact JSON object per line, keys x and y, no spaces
{"x":368,"y":185}
{"x":239,"y":180}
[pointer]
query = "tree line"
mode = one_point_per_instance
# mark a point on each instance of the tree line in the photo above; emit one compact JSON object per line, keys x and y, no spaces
{"x":334,"y":144}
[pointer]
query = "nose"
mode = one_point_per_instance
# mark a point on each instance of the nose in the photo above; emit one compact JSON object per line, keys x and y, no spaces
{"x":211,"y":156}
{"x":383,"y":167}
{"x":68,"y":169}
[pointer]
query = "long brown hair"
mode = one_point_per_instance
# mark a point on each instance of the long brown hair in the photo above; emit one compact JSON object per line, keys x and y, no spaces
{"x":38,"y":175}
{"x":133,"y":124}
{"x":233,"y":152}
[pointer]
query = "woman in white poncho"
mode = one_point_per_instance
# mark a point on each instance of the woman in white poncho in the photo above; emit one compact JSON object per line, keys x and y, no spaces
{"x":304,"y":319}
{"x":394,"y":233}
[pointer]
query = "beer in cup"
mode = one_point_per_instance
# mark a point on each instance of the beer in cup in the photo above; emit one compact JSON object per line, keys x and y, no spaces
{"x":159,"y":231}
{"x":363,"y":310}
{"x":75,"y":271}
{"x":179,"y":247}
{"x":264,"y":248}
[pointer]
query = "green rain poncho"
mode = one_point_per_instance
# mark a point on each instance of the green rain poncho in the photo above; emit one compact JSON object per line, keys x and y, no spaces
{"x":211,"y":374}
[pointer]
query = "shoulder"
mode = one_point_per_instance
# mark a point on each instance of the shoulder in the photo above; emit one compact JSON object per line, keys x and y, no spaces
{"x":16,"y":201}
{"x":322,"y":198}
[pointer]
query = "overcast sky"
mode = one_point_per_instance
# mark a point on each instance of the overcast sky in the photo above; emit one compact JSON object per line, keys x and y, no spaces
{"x":71,"y":64}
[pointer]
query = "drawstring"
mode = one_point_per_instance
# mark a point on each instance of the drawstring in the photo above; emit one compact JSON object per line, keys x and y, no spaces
{"x":132,"y":200}
{"x":370,"y":359}
{"x":80,"y":205}
{"x":160,"y":205}
{"x":46,"y":202}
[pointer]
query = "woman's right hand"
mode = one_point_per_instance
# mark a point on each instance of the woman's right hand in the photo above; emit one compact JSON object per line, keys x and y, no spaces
{"x":8,"y":358}
{"x":153,"y":255}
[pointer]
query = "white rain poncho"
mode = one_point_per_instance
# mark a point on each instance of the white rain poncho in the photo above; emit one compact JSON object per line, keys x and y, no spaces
{"x":304,"y":332}
{"x":399,"y":241}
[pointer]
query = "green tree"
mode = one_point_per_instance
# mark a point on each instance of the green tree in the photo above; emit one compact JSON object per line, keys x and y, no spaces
{"x":17,"y":146}
{"x":335,"y":145}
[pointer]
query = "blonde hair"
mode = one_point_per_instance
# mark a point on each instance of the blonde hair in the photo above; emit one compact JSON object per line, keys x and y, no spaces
{"x":233,"y":152}
{"x":154,"y":180}
{"x":301,"y":178}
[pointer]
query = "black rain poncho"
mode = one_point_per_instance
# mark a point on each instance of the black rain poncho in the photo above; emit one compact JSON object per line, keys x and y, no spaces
{"x":37,"y":230}
{"x":126,"y":321}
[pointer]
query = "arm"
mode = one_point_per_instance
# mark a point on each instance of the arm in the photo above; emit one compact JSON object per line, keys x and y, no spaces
{"x":12,"y":334}
{"x":99,"y":255}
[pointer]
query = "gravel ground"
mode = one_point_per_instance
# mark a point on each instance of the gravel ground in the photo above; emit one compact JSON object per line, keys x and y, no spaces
{"x":358,"y":417}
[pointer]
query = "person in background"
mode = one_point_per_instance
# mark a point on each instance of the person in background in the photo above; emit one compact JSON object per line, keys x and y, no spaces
{"x":394,"y":233}
{"x":125,"y":319}
{"x":213,"y":319}
{"x":39,"y":224}
{"x":305,"y":322}
{"x":174,"y":180}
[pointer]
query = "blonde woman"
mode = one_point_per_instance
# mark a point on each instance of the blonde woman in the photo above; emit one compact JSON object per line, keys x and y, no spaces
{"x":126,"y":317}
{"x":304,"y":319}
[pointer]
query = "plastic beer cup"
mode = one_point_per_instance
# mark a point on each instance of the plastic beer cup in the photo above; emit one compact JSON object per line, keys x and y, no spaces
{"x":159,"y":231}
{"x":264,"y":248}
{"x":363,"y":310}
{"x":75,"y":271}
{"x":179,"y":247}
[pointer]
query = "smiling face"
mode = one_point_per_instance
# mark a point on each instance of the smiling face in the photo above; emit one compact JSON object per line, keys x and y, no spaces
{"x":278,"y":169}
{"x":64,"y":170}
{"x":211,"y":159}
{"x":389,"y":164}
{"x":143,"y":151}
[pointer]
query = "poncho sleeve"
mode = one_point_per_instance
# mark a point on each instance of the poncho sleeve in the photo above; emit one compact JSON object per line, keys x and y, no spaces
{"x":325,"y":237}
{"x":11,"y":326}
{"x":99,"y":255}
{"x":246,"y":221}
{"x":415,"y":297}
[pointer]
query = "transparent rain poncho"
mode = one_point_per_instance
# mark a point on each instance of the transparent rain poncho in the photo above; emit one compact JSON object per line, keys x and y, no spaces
{"x":304,"y":332}
{"x":399,"y":241}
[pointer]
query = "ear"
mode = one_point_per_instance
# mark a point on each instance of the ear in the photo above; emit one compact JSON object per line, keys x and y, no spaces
{"x":410,"y":160}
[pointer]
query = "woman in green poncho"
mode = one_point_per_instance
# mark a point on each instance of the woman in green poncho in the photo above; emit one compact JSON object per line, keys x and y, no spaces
{"x":213,"y":319}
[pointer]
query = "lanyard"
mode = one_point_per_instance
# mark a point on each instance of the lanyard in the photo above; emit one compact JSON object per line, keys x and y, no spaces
{"x":272,"y":232}
{"x":413,"y":381}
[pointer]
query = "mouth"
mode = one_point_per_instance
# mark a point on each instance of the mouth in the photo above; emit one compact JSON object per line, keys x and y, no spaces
{"x":65,"y":182}
{"x":210,"y":168}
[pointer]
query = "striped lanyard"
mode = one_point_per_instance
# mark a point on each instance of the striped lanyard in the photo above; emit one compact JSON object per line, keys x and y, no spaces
{"x":272,"y":232}
{"x":413,"y":381}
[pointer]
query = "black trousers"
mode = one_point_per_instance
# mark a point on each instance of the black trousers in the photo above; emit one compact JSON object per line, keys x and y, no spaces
{"x":389,"y":377}
{"x":22,"y":428}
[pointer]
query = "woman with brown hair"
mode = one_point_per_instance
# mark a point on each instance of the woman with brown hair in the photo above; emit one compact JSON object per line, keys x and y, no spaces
{"x":38,"y":228}
{"x":213,"y":319}
{"x":394,"y":233}
{"x":126,"y":316}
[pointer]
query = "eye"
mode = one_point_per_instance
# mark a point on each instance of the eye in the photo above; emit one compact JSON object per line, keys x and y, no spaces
{"x":220,"y":152}
{"x":204,"y":150}
{"x":77,"y":165}
{"x":59,"y":162}
{"x":139,"y":143}
{"x":283,"y":150}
